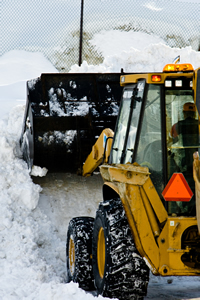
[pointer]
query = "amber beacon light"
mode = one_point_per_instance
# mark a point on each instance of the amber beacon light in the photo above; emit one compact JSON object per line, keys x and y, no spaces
{"x":178,"y":68}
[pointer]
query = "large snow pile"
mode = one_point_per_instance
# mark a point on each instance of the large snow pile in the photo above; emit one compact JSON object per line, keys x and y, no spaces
{"x":32,"y":254}
{"x":104,"y":41}
{"x":141,"y":54}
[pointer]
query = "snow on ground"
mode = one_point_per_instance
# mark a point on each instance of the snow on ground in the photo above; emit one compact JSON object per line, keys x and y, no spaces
{"x":33,"y":222}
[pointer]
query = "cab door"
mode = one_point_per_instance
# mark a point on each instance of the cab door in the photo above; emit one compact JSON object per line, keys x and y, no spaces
{"x":182,"y":134}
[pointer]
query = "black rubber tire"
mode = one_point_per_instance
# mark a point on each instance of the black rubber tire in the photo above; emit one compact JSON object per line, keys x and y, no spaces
{"x":79,"y":268}
{"x":125,"y":275}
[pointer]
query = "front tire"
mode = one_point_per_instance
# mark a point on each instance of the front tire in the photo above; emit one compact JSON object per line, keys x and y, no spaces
{"x":119,"y":270}
{"x":79,"y":252}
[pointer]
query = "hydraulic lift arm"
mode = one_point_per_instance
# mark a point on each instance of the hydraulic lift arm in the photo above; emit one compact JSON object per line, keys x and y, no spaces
{"x":100,"y":151}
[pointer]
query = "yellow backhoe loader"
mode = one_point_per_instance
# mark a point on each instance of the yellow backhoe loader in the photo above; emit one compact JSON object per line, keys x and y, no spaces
{"x":149,"y":218}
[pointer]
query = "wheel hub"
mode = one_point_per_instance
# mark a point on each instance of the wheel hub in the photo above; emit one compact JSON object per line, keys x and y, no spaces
{"x":71,"y":255}
{"x":101,"y":252}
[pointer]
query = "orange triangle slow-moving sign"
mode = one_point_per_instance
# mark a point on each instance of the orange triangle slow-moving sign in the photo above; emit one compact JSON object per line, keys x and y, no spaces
{"x":177,"y":189}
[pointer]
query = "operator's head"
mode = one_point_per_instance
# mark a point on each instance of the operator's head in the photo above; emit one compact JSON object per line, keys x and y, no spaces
{"x":189,"y":110}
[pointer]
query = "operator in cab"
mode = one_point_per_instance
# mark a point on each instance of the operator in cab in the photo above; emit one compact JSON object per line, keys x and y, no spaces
{"x":188,"y":127}
{"x":185,"y":136}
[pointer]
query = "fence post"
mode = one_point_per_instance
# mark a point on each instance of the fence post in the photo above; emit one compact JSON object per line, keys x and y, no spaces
{"x":81,"y":34}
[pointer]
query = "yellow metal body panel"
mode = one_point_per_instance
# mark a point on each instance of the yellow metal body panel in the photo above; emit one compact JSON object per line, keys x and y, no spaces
{"x":147,"y":243}
{"x":129,"y":180}
{"x":169,"y":243}
{"x":157,"y":236}
{"x":155,"y":201}
{"x":113,"y":186}
{"x":96,"y":156}
{"x":133,"y":78}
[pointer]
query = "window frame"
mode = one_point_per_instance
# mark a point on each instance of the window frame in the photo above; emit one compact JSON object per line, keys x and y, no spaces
{"x":128,"y":87}
{"x":129,"y":123}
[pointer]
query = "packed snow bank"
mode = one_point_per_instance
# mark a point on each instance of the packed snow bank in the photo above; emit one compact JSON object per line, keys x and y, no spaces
{"x":105,"y":41}
{"x":15,"y":181}
{"x":32,"y":256}
{"x":23,"y":231}
{"x":151,"y":59}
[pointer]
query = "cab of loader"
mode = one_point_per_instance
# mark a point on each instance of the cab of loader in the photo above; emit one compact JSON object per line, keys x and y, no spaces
{"x":158,"y":127}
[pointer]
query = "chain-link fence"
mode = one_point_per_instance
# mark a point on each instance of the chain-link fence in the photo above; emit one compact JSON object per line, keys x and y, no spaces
{"x":53,"y":26}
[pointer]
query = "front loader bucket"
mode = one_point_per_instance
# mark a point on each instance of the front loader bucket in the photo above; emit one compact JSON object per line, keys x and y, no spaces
{"x":64,"y":115}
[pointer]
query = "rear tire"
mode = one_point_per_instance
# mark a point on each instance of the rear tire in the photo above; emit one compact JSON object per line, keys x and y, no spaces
{"x":119,"y":270}
{"x":79,"y":252}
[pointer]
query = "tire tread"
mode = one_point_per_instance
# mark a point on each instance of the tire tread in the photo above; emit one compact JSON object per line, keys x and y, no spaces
{"x":81,"y":228}
{"x":126,"y":275}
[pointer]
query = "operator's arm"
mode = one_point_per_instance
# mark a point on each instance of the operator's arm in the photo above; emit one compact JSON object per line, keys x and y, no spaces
{"x":96,"y":156}
{"x":173,"y":134}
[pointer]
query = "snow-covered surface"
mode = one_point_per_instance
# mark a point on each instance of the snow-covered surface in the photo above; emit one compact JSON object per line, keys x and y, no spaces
{"x":79,"y":109}
{"x":104,"y":41}
{"x":16,"y":67}
{"x":150,"y":59}
{"x":34,"y":220}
